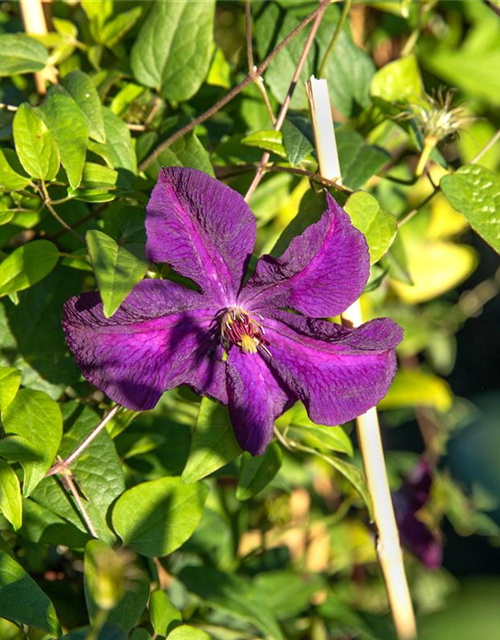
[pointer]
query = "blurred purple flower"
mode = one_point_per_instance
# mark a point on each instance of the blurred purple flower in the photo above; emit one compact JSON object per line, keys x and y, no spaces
{"x":416,"y":537}
{"x":257,"y":347}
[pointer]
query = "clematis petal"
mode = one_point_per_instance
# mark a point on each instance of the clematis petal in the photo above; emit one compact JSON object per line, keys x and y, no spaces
{"x":160,"y":337}
{"x":322,"y":272}
{"x":255,"y":400}
{"x":202,"y":228}
{"x":338,"y":376}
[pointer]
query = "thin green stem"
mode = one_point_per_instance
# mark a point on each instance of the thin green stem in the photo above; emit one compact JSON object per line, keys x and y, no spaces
{"x":42,"y":190}
{"x":338,"y":30}
{"x":98,"y":624}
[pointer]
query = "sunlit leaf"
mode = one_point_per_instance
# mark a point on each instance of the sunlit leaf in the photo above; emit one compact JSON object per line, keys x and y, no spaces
{"x":213,"y":444}
{"x":155,"y":518}
{"x":475,"y":191}
{"x":417,"y":388}
{"x":37,"y":418}
{"x":172,"y":52}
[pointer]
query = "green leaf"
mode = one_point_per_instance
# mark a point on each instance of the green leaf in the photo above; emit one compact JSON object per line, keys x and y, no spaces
{"x":18,"y":449}
{"x":10,"y":496}
{"x":398,"y":81}
{"x":475,"y":191}
{"x":35,"y":144}
{"x":186,"y":152}
{"x":105,"y":582}
{"x":37,"y":418}
{"x":140,"y":634}
{"x":10,"y":379}
{"x":288,"y":593}
{"x":118,"y":151}
{"x":268,"y":140}
{"x":233,"y":595}
{"x":185,"y":632}
{"x":164,"y":616}
{"x":156,"y":518}
{"x":332,"y":438}
{"x":359,"y":161}
{"x":116,"y":28}
{"x":349,"y":69}
{"x":81,"y":88}
{"x":295,"y":141}
{"x":173,"y":50}
{"x":257,"y":472}
{"x":213,"y":444}
{"x":108,"y":631}
{"x":12,"y":175}
{"x":416,"y":388}
{"x":98,"y":470}
{"x":117,"y":270}
{"x":354,"y":476}
{"x":125,"y":97}
{"x":474,"y":73}
{"x":26,"y":265}
{"x":70,"y":130}
{"x":22,"y":600}
{"x":378,"y":226}
{"x":21,"y":54}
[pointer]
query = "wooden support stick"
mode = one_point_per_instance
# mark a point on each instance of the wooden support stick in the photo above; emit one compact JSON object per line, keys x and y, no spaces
{"x":388,"y":546}
{"x":35,"y":24}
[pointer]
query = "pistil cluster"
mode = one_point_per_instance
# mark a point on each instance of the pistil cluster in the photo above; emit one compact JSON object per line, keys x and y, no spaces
{"x":244,"y":330}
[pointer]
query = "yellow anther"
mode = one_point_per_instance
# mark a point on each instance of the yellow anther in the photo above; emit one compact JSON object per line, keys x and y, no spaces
{"x":248,"y":344}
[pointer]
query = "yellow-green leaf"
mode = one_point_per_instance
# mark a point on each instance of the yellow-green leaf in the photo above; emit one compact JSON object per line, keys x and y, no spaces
{"x":416,"y":388}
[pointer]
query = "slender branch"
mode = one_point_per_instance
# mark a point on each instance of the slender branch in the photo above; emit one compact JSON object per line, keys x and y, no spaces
{"x":486,"y":148}
{"x":367,"y":425}
{"x":42,"y":190}
{"x":336,"y":34}
{"x":286,"y":104}
{"x":239,"y":169}
{"x":408,"y":216}
{"x":252,"y":69}
{"x":69,"y":484}
{"x":61,"y":467}
{"x":235,"y":90}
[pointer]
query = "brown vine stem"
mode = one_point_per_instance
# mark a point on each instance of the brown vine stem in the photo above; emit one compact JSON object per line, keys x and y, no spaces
{"x":69,"y":484}
{"x":235,"y":90}
{"x":388,"y":546}
{"x":286,"y":104}
{"x":64,"y":465}
{"x":227,"y":172}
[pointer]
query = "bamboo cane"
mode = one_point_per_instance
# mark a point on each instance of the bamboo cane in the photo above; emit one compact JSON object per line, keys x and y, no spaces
{"x":388,"y":546}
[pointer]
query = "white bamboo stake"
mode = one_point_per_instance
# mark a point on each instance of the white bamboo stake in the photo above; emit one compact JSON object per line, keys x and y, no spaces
{"x":388,"y":546}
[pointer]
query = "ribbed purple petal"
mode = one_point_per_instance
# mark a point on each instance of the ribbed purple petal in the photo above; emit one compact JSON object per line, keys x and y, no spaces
{"x":338,"y":373}
{"x":255,"y":400}
{"x":202,"y":228}
{"x":322,"y":272}
{"x":160,"y":337}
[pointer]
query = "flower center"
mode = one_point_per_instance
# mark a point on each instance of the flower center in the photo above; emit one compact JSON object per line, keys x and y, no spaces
{"x":245,"y":331}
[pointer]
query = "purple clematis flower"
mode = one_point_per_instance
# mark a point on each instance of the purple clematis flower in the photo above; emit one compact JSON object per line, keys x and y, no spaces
{"x":415,"y":535}
{"x":257,"y":346}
